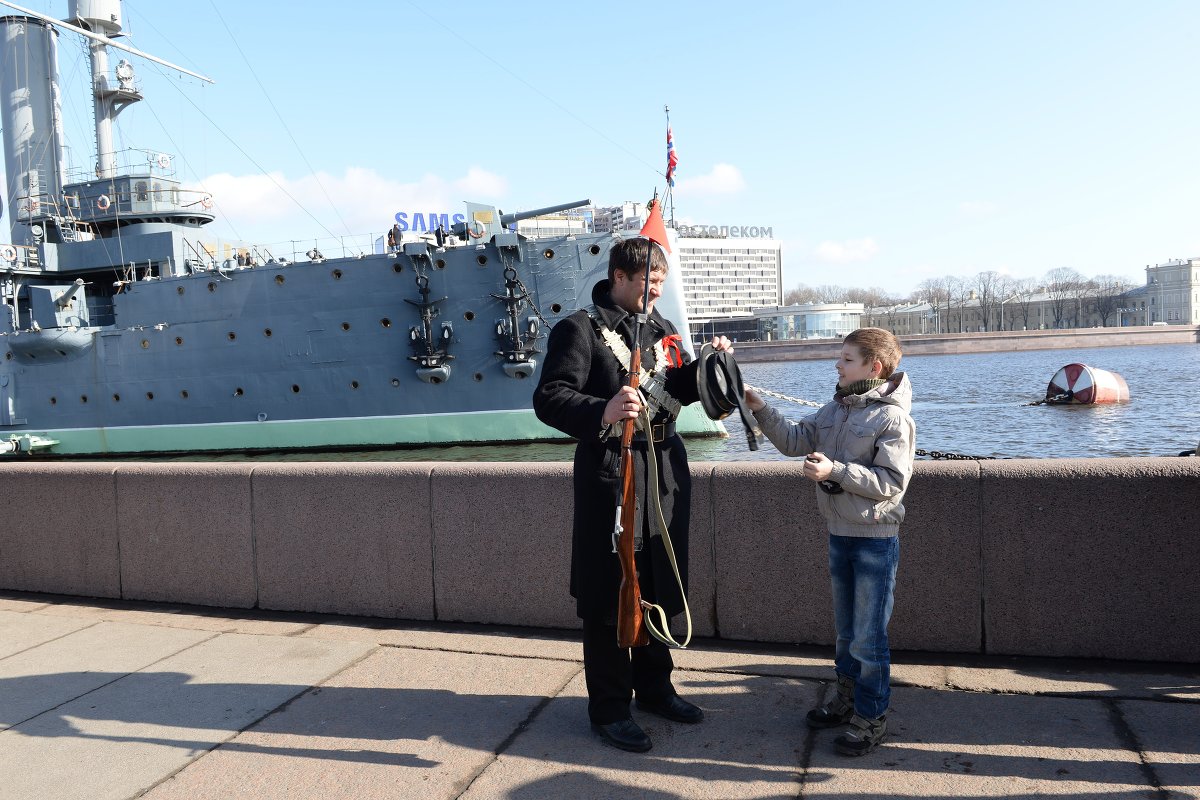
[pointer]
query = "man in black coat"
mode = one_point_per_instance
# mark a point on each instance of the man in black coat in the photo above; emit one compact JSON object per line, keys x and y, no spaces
{"x":584,"y":392}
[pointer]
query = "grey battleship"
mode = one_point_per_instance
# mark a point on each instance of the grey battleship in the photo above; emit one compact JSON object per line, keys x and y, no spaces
{"x":127,"y":328}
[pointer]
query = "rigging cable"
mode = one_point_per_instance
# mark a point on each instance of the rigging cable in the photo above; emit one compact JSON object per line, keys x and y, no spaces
{"x":316,"y":176}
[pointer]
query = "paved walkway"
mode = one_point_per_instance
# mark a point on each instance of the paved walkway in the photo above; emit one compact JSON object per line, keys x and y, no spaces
{"x":122,"y":700}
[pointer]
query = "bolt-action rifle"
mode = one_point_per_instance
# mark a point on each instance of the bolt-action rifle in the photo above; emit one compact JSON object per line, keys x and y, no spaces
{"x":631,"y":627}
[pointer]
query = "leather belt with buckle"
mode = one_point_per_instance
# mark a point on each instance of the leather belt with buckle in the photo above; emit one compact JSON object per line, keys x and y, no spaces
{"x":658,"y":432}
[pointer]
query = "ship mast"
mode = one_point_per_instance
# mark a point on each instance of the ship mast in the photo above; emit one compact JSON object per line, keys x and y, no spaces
{"x":100,"y":21}
{"x":107,"y":100}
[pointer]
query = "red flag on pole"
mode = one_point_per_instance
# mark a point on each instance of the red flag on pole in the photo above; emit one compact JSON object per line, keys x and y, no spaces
{"x":654,"y":229}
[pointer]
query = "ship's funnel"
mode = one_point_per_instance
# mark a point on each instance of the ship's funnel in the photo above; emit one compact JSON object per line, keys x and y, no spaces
{"x":31,"y":113}
{"x":98,"y":16}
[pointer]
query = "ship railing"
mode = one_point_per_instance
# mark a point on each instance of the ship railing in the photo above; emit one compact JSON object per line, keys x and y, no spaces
{"x":197,"y":258}
{"x":22,"y":255}
{"x":131,"y":160}
{"x":349,"y":246}
{"x":207,"y":254}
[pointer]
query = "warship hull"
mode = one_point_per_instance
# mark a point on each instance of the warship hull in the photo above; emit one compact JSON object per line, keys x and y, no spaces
{"x":303,"y":355}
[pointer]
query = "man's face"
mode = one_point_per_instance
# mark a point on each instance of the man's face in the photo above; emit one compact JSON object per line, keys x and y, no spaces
{"x":628,"y":292}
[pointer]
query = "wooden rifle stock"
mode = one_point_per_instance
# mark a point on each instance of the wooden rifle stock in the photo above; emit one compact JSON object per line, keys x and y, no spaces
{"x":631,"y":627}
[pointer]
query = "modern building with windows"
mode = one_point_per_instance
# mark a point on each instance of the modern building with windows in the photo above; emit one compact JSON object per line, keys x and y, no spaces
{"x":726,"y":279}
{"x":808,"y":321}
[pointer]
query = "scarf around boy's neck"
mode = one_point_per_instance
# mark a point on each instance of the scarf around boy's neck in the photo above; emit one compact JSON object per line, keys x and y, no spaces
{"x":858,"y":387}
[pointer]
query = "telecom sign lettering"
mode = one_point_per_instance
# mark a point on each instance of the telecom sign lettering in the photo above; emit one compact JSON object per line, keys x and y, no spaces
{"x":726,"y":231}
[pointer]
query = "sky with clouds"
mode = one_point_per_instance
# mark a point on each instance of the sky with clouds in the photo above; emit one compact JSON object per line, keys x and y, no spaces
{"x":882,"y":142}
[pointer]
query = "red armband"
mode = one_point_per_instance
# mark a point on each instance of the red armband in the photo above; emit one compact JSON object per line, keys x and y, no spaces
{"x":673,"y":347}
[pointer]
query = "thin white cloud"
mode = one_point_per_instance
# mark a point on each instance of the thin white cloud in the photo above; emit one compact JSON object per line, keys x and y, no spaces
{"x":276,"y":208}
{"x":721,"y":179}
{"x":479,"y":184}
{"x":847,"y":251}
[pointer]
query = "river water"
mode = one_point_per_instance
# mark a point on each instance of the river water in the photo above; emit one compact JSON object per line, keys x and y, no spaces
{"x":974,"y":404}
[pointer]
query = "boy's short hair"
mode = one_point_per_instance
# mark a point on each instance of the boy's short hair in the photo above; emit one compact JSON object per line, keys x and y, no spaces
{"x":876,"y":344}
{"x":629,"y":256}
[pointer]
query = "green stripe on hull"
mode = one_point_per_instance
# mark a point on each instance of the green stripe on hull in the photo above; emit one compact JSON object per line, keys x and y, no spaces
{"x":425,"y":429}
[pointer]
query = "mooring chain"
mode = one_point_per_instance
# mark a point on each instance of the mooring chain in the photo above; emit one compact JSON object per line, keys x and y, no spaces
{"x":769,"y":393}
{"x":934,"y":454}
{"x":938,"y":454}
{"x":1058,"y":398}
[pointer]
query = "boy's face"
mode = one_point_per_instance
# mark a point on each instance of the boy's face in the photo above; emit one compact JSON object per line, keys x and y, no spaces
{"x":851,"y":368}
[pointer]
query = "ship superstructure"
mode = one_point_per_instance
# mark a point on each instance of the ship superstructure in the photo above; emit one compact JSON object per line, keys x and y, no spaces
{"x":128,"y":329}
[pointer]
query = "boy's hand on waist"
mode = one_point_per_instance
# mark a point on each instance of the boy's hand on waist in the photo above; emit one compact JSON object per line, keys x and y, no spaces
{"x":817,"y":467}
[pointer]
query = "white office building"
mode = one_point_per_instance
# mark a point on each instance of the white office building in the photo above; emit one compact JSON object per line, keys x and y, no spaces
{"x":726,"y":279}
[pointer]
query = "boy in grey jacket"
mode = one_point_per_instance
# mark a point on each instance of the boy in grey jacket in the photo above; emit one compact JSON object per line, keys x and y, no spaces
{"x":859,"y":451}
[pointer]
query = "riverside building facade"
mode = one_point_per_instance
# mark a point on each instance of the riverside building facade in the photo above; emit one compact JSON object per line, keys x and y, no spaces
{"x":1170,"y":296}
{"x":1173,"y":292}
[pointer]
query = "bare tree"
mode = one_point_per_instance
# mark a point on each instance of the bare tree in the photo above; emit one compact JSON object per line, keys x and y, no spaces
{"x":829,"y":293}
{"x":1108,"y":296}
{"x":1007,"y":290}
{"x":1064,"y":285}
{"x":801,"y":294}
{"x":960,"y":292}
{"x":1022,"y":303}
{"x":935,"y":292}
{"x":988,"y":289}
{"x":872,"y":296}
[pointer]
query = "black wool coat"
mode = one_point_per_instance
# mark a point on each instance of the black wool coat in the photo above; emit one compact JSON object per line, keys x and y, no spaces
{"x":580,"y":375}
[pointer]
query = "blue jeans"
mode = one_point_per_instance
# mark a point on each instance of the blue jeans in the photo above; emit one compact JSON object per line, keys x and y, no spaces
{"x":864,"y":575}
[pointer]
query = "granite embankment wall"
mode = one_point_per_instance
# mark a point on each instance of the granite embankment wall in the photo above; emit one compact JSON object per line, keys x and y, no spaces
{"x":990,"y":342}
{"x":1086,"y":557}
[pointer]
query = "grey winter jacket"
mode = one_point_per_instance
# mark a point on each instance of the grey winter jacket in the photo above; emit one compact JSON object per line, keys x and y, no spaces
{"x":871,"y":440}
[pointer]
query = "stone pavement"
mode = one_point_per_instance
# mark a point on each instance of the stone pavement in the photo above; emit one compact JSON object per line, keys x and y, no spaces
{"x":119,"y":700}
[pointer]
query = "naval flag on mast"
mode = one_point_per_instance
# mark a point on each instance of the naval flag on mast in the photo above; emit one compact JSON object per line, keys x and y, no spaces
{"x":672,"y":159}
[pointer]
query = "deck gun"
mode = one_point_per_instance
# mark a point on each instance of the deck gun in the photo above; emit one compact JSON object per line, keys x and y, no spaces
{"x":484,"y":219}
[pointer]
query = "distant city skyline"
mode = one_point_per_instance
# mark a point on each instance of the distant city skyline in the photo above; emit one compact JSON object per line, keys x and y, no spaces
{"x":882,"y":144}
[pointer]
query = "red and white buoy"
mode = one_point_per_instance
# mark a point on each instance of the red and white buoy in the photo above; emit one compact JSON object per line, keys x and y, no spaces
{"x":1080,"y":384}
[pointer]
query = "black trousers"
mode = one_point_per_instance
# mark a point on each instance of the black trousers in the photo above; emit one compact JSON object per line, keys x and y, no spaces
{"x":614,"y":674}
